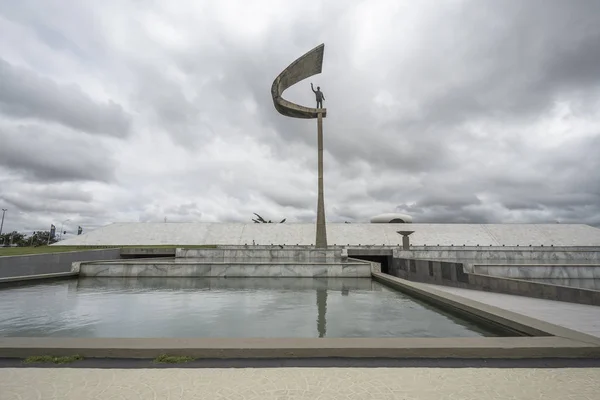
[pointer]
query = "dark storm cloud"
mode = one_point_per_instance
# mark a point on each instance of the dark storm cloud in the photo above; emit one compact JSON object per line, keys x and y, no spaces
{"x":567,"y":185}
{"x":51,"y":156}
{"x":25,"y":94}
{"x":516,"y":59}
{"x":561,"y":185}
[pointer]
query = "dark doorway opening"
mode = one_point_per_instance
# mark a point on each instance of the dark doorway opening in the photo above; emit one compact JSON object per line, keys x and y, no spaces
{"x":385,"y":261}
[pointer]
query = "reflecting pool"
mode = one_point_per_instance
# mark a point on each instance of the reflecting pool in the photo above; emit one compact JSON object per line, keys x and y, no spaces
{"x":222,"y":307}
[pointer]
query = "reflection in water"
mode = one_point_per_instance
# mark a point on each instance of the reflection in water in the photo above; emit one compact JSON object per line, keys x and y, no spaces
{"x":168,"y":283}
{"x":225,"y":307}
{"x":322,"y":310}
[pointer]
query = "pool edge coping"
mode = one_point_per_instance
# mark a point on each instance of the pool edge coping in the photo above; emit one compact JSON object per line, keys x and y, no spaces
{"x":495,"y":314}
{"x":228,"y":348}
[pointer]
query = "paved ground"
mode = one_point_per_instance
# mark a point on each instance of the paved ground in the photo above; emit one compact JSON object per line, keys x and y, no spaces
{"x":580,"y":317}
{"x":300,"y":383}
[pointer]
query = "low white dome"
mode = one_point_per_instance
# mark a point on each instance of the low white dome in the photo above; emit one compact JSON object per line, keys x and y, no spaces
{"x":391,"y":218}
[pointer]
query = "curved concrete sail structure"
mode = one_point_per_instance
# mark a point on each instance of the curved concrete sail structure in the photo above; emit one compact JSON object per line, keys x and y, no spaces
{"x":309,"y":64}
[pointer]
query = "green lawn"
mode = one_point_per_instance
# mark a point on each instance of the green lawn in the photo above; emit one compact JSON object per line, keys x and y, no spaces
{"x":18,"y":251}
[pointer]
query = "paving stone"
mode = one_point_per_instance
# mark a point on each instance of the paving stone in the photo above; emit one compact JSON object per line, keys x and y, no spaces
{"x":301,"y":383}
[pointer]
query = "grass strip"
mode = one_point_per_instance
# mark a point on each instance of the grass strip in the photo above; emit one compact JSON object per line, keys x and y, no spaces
{"x":166,"y":359}
{"x":52,"y":359}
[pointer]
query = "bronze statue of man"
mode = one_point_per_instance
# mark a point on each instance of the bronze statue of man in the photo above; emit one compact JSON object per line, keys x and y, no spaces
{"x":319,"y":95}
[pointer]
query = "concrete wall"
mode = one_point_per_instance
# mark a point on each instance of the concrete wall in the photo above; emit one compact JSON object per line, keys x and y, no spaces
{"x":439,"y":272}
{"x":213,"y":269}
{"x":452,"y":274}
{"x":504,"y":255}
{"x":535,"y":289}
{"x":263,"y":254}
{"x":539,"y":271}
{"x":50,"y":263}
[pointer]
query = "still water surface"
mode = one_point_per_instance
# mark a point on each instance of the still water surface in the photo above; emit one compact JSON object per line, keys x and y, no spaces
{"x":213,"y":307}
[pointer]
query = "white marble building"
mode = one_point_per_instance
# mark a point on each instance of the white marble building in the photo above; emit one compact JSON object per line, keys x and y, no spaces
{"x":198,"y":233}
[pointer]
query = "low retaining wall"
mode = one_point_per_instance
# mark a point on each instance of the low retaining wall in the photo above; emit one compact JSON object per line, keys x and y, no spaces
{"x":539,"y":271}
{"x":272,"y":254}
{"x":213,"y":269}
{"x":504,"y":255}
{"x":538,"y":290}
{"x":452,"y":274}
{"x":12,"y":267}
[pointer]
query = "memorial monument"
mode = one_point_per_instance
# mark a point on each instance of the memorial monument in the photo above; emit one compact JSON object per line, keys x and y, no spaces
{"x":308,"y":65}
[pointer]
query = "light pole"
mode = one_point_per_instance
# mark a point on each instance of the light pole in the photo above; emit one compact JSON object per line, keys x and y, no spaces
{"x":61,"y":227}
{"x":4,"y":210}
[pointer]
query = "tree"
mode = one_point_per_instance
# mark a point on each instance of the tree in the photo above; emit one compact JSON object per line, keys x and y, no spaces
{"x":14,"y":237}
{"x":37,"y":238}
{"x":260,"y":219}
{"x":40,"y":238}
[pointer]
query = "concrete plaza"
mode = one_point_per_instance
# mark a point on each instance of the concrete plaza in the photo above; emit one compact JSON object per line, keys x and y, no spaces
{"x":300,"y":383}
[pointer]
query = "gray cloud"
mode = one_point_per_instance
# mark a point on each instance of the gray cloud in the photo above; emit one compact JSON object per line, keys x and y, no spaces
{"x":49,"y":155}
{"x":450,"y":200}
{"x":25,"y":94}
{"x":47,"y":204}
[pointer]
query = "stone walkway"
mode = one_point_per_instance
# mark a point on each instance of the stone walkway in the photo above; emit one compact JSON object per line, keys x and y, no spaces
{"x":300,"y":383}
{"x":579,"y":317}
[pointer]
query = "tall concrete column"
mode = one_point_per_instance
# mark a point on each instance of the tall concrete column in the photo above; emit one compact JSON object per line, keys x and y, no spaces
{"x":309,"y":64}
{"x":321,"y":240}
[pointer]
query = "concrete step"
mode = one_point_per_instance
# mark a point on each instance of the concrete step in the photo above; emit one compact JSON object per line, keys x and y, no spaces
{"x":140,"y":268}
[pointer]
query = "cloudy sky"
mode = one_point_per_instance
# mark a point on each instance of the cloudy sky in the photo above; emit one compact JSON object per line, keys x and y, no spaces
{"x":450,"y":111}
